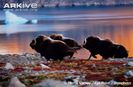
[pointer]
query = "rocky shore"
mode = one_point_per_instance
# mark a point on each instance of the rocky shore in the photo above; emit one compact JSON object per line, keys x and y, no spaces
{"x":31,"y":70}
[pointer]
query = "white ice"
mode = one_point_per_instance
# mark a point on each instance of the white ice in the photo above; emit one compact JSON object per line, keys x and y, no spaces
{"x":11,"y":18}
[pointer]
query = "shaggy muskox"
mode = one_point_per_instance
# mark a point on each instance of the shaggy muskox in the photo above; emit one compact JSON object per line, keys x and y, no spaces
{"x":120,"y":51}
{"x":70,"y":42}
{"x":105,"y":48}
{"x":51,"y":49}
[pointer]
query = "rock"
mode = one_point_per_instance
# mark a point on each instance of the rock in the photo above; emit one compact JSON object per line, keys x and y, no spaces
{"x":52,"y":83}
{"x":129,"y":73}
{"x":130,"y":63}
{"x":112,"y":82}
{"x":15,"y":83}
{"x":74,"y":80}
{"x":93,"y":66}
{"x":9,"y":66}
{"x":44,"y":66}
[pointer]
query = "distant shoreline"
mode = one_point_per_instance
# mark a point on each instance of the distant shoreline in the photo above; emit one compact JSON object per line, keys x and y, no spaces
{"x":71,"y":5}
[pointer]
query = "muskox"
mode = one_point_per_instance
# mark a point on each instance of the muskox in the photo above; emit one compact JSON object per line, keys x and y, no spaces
{"x":51,"y":49}
{"x":105,"y":48}
{"x":120,"y":51}
{"x":70,"y":42}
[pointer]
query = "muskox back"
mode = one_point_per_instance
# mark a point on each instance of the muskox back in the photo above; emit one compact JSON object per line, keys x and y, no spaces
{"x":56,"y":36}
{"x":106,"y":48}
{"x":70,"y":42}
{"x":92,"y":43}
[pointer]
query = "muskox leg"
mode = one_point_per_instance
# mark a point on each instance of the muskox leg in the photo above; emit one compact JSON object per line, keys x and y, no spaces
{"x":104,"y":57}
{"x":89,"y":57}
{"x":44,"y":56}
{"x":71,"y":54}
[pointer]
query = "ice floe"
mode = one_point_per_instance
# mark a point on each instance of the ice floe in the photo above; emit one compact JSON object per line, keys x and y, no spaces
{"x":12,"y":18}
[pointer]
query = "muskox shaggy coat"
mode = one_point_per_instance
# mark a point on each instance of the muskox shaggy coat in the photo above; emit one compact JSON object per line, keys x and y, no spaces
{"x":51,"y":49}
{"x":120,"y":51}
{"x":70,"y":42}
{"x":104,"y":47}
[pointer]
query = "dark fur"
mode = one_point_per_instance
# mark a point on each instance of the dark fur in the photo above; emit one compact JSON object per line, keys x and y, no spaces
{"x":54,"y":49}
{"x":120,"y":51}
{"x":104,"y":47}
{"x":70,"y":42}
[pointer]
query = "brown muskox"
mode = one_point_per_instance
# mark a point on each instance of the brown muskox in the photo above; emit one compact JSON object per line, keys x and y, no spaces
{"x":104,"y":47}
{"x":70,"y":42}
{"x":120,"y":51}
{"x":51,"y":49}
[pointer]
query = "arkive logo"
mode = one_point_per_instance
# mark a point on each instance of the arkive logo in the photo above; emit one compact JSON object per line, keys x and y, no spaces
{"x":20,"y":5}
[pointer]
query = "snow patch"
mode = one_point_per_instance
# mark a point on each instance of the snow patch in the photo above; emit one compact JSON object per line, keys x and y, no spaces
{"x":15,"y":83}
{"x":9,"y":66}
{"x":44,"y":66}
{"x":52,"y":83}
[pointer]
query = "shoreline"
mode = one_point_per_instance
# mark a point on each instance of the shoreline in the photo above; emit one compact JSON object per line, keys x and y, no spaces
{"x":72,"y":6}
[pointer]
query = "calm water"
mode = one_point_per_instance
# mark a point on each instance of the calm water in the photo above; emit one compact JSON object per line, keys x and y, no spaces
{"x":115,"y":23}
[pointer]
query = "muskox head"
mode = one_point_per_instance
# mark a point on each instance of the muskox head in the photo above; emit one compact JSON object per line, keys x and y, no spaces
{"x":90,"y":41}
{"x":36,"y":44}
{"x":120,"y":51}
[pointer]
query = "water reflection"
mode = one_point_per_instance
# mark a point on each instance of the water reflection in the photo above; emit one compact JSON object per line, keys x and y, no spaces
{"x":119,"y":31}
